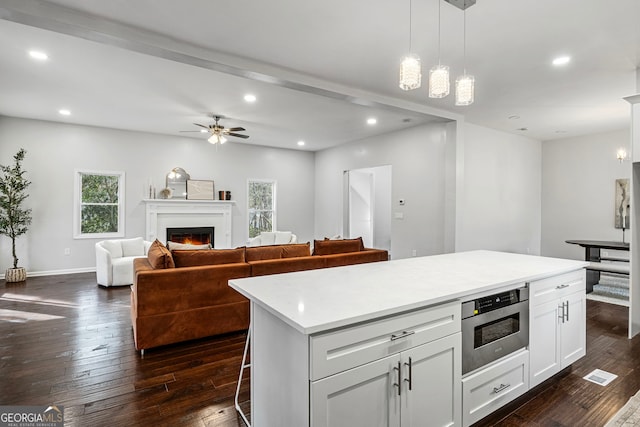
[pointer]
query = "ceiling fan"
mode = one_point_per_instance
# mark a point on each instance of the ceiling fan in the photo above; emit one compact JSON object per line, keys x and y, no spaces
{"x":219,"y":132}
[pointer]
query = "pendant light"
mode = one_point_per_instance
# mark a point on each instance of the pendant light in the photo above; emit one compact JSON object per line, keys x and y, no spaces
{"x":465,"y":83}
{"x":410,"y":69}
{"x":439,"y":75}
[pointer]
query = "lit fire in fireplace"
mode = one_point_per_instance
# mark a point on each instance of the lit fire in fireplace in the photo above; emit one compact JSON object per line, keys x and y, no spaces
{"x":191,"y":235}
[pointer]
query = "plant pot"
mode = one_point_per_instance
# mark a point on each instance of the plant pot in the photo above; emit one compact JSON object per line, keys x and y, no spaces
{"x":13,"y":275}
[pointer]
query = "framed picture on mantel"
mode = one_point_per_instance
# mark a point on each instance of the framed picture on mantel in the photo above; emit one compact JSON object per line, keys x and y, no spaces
{"x":199,"y":190}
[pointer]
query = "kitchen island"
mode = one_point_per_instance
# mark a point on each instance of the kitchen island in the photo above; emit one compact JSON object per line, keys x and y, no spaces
{"x":348,"y":345}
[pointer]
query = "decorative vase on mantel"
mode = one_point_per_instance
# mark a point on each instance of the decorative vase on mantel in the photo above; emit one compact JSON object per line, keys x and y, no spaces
{"x":14,"y":275}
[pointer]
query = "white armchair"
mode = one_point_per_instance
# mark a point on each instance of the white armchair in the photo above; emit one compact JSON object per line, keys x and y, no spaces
{"x":273,"y":238}
{"x":114,"y":260}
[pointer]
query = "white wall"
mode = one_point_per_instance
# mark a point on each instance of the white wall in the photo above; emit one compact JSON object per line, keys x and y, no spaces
{"x":55,"y":150}
{"x":499,"y":208}
{"x":418,"y":157}
{"x":578,"y":187}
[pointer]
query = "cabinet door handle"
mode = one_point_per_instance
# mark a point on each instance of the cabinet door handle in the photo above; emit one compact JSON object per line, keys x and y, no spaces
{"x":410,"y":365}
{"x":564,"y":285}
{"x":399,"y":383}
{"x":501,"y":387}
{"x":404,"y":334}
{"x":561,"y":315}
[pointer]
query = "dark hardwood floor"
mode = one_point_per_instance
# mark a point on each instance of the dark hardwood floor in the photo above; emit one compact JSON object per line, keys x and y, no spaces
{"x":66,"y":341}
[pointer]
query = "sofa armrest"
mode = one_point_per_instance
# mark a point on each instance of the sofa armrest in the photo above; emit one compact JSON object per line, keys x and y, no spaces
{"x":104,"y":267}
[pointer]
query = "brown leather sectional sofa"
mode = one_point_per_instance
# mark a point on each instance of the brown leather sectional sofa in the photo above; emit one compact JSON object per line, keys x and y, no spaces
{"x":183,"y":295}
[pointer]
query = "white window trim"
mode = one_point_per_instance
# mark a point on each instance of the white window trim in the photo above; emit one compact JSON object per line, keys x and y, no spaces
{"x":77,"y":203}
{"x":274,"y":218}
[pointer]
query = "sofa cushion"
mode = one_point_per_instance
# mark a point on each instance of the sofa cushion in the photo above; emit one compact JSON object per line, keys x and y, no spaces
{"x":113,"y":247}
{"x":329,"y":247}
{"x":361,"y":257}
{"x":194,"y":258}
{"x":159,"y":256}
{"x":257,"y":253}
{"x":282,"y":237}
{"x":286,"y":265}
{"x":174,"y":246}
{"x":132,"y":247}
{"x":296,"y":250}
{"x":267,"y":238}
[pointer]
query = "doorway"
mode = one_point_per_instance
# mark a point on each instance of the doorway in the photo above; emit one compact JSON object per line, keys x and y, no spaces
{"x":367,"y":206}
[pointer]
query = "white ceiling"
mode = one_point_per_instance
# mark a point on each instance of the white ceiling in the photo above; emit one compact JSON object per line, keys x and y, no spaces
{"x":319,"y":69}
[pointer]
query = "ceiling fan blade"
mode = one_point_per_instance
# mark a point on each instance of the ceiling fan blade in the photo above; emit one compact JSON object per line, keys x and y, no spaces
{"x":236,"y":129}
{"x":202,"y":126}
{"x":238,"y":135}
{"x":199,"y":131}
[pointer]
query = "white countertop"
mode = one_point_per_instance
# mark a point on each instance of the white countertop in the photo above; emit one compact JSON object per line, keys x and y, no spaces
{"x":318,"y":300}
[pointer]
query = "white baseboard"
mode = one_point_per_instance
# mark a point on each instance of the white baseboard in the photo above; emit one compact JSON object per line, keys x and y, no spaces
{"x":58,"y":272}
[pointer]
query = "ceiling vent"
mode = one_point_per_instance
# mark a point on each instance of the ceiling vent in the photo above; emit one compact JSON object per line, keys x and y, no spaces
{"x":461,"y":4}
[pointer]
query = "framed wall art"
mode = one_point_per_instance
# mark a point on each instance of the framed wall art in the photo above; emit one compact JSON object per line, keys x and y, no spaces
{"x":199,"y":189}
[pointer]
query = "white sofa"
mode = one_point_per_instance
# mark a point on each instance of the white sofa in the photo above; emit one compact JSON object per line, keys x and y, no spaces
{"x":114,"y":260}
{"x":273,"y":238}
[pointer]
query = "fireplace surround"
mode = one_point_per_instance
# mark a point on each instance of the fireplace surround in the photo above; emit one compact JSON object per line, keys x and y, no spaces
{"x":172,"y":213}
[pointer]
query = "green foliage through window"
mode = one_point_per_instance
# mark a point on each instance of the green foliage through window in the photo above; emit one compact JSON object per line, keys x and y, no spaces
{"x":261,"y":207}
{"x":99,"y":203}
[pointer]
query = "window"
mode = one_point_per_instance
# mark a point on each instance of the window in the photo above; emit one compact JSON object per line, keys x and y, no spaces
{"x":99,"y":204}
{"x":262,"y":206}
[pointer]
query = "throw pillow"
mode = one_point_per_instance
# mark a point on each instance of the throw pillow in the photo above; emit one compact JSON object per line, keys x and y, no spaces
{"x":174,"y":246}
{"x":132,"y":247}
{"x":329,"y":247}
{"x":194,"y":258}
{"x":114,"y":247}
{"x":159,"y":256}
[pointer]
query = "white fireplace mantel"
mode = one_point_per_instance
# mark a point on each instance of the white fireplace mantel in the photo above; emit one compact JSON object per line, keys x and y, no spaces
{"x":163,"y":213}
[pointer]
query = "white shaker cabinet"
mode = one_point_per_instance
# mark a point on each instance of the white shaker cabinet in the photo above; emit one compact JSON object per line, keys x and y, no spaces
{"x":557,"y":324}
{"x":394,"y":371}
{"x":417,"y":386}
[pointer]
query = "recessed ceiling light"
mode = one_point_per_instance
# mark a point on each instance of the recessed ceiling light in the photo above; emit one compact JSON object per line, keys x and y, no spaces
{"x":561,"y":60}
{"x":514,"y":117}
{"x":372,"y":121}
{"x":64,"y":112}
{"x":41,"y":56}
{"x":250,"y":98}
{"x":300,"y":143}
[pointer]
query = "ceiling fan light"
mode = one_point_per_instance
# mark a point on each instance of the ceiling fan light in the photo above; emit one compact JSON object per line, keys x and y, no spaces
{"x":222,"y":139}
{"x":410,"y":72}
{"x":465,"y":90}
{"x":439,"y":81}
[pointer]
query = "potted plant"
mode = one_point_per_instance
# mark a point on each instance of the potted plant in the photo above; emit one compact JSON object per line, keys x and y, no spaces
{"x":14,"y":219}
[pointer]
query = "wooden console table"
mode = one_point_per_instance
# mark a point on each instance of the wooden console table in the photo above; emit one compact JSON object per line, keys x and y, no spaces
{"x":593,"y":255}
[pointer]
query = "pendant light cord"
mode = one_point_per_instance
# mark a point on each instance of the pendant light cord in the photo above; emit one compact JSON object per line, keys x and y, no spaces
{"x":439,"y":29}
{"x":410,"y":31}
{"x":464,"y":42}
